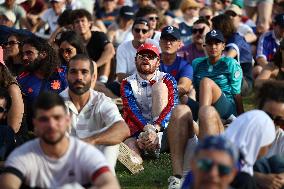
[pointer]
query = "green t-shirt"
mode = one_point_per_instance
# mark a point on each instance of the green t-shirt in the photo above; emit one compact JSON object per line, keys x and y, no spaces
{"x":226,"y":73}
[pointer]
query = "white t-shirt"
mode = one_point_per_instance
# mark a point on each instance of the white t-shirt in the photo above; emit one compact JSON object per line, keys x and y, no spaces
{"x":277,"y":146}
{"x":125,"y":57}
{"x":97,"y":115}
{"x":244,"y":29}
{"x":50,"y":17}
{"x":81,"y":163}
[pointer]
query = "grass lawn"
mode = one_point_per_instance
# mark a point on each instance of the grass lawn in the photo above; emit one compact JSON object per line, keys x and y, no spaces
{"x":156,"y":172}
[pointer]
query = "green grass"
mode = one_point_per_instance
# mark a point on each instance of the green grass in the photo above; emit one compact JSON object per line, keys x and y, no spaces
{"x":156,"y":172}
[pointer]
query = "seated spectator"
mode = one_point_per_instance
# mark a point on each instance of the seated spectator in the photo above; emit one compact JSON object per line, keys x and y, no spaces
{"x":214,"y":164}
{"x":152,"y":15}
{"x":217,"y":6}
{"x":179,"y":68}
{"x":141,"y":3}
{"x":190,"y":10}
{"x":42,"y":72}
{"x":236,"y":13}
{"x":148,"y":97}
{"x":59,"y":159}
{"x":7,"y":18}
{"x":99,"y":48}
{"x":206,"y":13}
{"x":196,"y":49}
{"x":268,"y":43}
{"x":94,"y":117}
{"x":120,"y":31}
{"x":164,"y":7}
{"x":8,"y":82}
{"x":108,"y":12}
{"x":236,"y":47}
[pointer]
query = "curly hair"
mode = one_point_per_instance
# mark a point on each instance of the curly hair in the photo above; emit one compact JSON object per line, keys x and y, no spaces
{"x":225,"y":24}
{"x":144,"y":11}
{"x":51,"y":61}
{"x":6,"y":78}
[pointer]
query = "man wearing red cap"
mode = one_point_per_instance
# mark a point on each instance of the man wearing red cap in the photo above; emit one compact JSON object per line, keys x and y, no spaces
{"x":148,"y":99}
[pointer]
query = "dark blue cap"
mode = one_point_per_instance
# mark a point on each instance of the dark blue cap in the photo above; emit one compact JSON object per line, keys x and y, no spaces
{"x":279,"y":20}
{"x":214,"y":35}
{"x":170,"y":31}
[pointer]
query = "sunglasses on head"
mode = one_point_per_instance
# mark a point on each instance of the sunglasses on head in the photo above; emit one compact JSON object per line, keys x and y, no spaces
{"x":206,"y":165}
{"x":67,"y":50}
{"x":11,"y":43}
{"x":153,"y":18}
{"x":137,"y":30}
{"x":201,"y":30}
{"x":147,"y":55}
{"x":2,"y":110}
{"x":278,"y":120}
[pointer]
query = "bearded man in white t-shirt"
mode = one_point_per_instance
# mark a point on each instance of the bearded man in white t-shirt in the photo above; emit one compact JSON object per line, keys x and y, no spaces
{"x":54,"y":160}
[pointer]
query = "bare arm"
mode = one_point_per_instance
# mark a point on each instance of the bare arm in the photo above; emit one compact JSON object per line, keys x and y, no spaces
{"x":115,"y":134}
{"x":269,"y":71}
{"x":106,"y":181}
{"x":261,"y":61}
{"x":250,"y":37}
{"x":184,"y":85}
{"x":239,"y":104}
{"x":232,"y":53}
{"x":9,"y":181}
{"x":273,"y":181}
{"x":16,"y":112}
{"x":121,"y":76}
{"x":107,"y":55}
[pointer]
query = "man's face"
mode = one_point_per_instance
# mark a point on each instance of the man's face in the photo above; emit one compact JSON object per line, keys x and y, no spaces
{"x":10,"y":2}
{"x":213,"y":169}
{"x":279,"y":31}
{"x":153,"y":20}
{"x":276,"y":112}
{"x":140,"y":33}
{"x":79,"y":76}
{"x":82,"y":25}
{"x":214,"y":48}
{"x":162,"y":4}
{"x":143,"y":3}
{"x":198,"y":33}
{"x":57,"y":6}
{"x":169,"y":44}
{"x":51,"y":125}
{"x":147,"y":62}
{"x":3,"y":111}
{"x":29,"y":54}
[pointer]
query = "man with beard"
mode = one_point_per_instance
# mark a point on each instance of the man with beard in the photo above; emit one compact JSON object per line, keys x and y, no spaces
{"x":54,"y":160}
{"x":43,"y":72}
{"x":148,"y":98}
{"x":94,"y":117}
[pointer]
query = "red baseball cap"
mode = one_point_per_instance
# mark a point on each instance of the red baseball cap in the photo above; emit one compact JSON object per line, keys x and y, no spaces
{"x":1,"y":56}
{"x":148,"y":47}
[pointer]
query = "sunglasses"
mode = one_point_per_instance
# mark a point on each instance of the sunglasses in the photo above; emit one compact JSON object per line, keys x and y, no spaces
{"x":195,"y":31}
{"x":2,"y":110}
{"x":206,"y":17}
{"x":231,"y":13}
{"x":67,"y":51}
{"x":278,"y":120}
{"x":148,"y":56}
{"x":206,"y":165}
{"x":153,"y":18}
{"x":137,"y":30}
{"x":10,"y":43}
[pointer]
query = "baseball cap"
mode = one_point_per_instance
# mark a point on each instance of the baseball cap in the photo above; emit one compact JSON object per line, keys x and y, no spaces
{"x":219,"y":143}
{"x":126,"y":12}
{"x":148,"y":47}
{"x":185,"y":4}
{"x":214,"y":35}
{"x":9,"y":15}
{"x":279,"y":19}
{"x":170,"y":31}
{"x":236,"y":9}
{"x":239,"y":3}
{"x":140,"y":20}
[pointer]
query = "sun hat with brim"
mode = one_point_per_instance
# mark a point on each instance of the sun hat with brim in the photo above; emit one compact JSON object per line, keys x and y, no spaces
{"x":234,"y":8}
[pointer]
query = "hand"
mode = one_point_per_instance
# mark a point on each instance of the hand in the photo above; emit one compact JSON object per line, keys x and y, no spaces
{"x":152,"y":143}
{"x":271,"y":181}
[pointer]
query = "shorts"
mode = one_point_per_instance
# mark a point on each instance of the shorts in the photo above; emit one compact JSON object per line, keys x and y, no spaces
{"x":254,"y":3}
{"x":224,"y":107}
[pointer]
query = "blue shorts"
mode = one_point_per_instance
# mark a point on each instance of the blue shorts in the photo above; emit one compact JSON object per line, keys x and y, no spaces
{"x":224,"y":107}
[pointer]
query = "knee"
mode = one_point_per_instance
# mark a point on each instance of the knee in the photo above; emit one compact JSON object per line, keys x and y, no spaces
{"x":207,"y":112}
{"x":206,"y":81}
{"x":181,"y":112}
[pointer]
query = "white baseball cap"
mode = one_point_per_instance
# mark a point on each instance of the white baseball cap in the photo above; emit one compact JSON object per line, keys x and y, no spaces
{"x":9,"y":15}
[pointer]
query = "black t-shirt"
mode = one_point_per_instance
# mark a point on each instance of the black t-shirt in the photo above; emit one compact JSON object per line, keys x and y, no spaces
{"x":97,"y":44}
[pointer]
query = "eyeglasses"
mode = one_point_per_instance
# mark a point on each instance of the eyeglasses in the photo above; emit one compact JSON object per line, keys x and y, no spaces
{"x":67,"y":51}
{"x":278,"y":120}
{"x":231,"y":13}
{"x":10,"y":43}
{"x":200,"y":30}
{"x":153,"y":18}
{"x":146,"y":55}
{"x":206,"y":165}
{"x":206,"y":17}
{"x":2,"y":110}
{"x":137,"y":30}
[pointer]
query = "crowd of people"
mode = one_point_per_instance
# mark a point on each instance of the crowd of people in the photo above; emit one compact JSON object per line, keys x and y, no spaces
{"x":80,"y":77}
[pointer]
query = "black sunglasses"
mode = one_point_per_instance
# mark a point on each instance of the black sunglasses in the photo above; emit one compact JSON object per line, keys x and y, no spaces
{"x":11,"y":43}
{"x":2,"y":109}
{"x":278,"y":120}
{"x":206,"y":17}
{"x":206,"y":165}
{"x":154,"y":18}
{"x":67,"y":50}
{"x":147,"y":55}
{"x":231,"y":13}
{"x":201,"y":30}
{"x":137,"y":30}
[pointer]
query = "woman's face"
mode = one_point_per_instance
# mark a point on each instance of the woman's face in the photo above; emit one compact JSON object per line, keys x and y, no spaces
{"x":11,"y":47}
{"x":67,"y":51}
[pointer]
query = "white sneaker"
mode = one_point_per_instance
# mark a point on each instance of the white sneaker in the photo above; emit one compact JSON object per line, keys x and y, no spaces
{"x":174,"y":182}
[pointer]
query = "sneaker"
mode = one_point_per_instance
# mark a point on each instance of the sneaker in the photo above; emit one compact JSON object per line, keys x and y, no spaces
{"x":174,"y":182}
